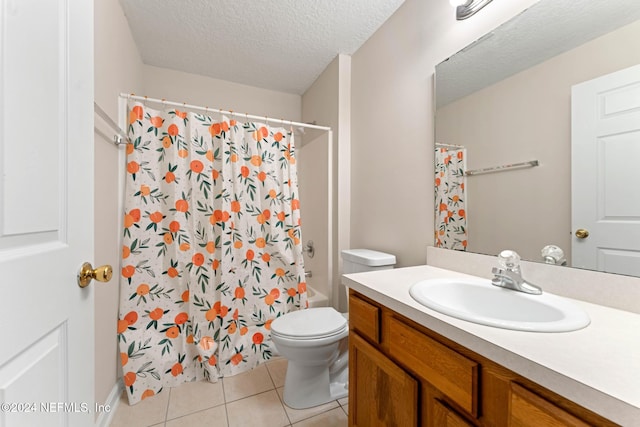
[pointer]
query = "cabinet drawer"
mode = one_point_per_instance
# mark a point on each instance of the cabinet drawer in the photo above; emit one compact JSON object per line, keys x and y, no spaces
{"x":527,"y":409}
{"x":364,"y":318}
{"x":451,"y":373}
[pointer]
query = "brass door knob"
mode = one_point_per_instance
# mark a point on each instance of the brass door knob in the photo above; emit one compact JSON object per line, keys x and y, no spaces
{"x":88,"y":273}
{"x":581,"y":233}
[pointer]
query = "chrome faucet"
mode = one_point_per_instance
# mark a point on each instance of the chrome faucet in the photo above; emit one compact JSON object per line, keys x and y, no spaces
{"x":509,"y":275}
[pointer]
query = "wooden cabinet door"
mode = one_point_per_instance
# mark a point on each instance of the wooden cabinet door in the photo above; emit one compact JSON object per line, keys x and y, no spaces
{"x":381,"y":393}
{"x":527,"y":409}
{"x":445,"y":417}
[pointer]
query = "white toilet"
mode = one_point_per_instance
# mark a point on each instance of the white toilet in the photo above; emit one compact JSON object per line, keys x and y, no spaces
{"x":314,"y":341}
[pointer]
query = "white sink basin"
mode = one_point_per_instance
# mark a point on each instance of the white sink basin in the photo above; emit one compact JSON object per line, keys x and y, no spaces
{"x":478,"y":301}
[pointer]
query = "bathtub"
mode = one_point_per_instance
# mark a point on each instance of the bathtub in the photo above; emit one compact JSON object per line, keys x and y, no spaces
{"x":316,"y":299}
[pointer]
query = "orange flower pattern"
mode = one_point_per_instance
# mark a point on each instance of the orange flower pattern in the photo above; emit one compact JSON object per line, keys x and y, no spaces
{"x":450,"y":182}
{"x":211,"y":248}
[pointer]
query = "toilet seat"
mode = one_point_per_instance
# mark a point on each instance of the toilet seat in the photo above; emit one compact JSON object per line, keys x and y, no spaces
{"x":310,"y":324}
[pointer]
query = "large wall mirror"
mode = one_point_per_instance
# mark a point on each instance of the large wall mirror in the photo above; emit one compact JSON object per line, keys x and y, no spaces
{"x":510,"y":98}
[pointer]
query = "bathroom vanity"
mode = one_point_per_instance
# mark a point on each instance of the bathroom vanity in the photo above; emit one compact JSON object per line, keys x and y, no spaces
{"x":412,"y":366}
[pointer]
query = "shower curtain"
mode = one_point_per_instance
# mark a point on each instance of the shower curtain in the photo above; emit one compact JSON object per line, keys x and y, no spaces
{"x":211,"y":248}
{"x":450,"y":182}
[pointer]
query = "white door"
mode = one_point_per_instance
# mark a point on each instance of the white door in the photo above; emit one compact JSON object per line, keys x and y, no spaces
{"x":605,"y":126}
{"x":46,"y":212}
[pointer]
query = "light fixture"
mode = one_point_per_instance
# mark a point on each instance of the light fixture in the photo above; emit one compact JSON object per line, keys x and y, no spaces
{"x":467,"y":8}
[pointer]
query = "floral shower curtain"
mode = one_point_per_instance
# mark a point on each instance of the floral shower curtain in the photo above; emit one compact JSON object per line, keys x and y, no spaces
{"x":450,"y":183}
{"x":211,"y":251}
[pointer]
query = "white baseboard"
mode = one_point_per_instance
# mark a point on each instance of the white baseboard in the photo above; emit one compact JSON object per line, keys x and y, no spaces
{"x":113,"y":400}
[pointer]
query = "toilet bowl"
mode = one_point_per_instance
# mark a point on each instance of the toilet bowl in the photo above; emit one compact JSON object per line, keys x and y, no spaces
{"x":314,"y":341}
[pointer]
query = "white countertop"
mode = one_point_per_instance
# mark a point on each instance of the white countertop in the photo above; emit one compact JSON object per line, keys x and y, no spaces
{"x":597,"y":367}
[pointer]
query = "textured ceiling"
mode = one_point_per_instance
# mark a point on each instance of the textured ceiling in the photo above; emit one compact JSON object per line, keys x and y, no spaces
{"x":281,"y":45}
{"x":546,"y":29}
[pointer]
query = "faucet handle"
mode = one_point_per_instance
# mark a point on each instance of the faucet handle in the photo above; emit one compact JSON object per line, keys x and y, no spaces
{"x":509,"y":260}
{"x":496,"y":271}
{"x":552,"y":254}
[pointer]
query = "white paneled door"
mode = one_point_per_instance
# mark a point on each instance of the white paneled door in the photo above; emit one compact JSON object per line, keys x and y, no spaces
{"x":46,"y":212}
{"x":606,"y":173}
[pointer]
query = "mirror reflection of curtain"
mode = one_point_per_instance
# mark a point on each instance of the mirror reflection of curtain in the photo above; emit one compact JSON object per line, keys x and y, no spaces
{"x":450,"y":182}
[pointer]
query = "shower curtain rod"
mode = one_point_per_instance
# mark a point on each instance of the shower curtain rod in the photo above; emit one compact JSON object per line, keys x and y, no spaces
{"x":228,"y":112}
{"x":120,"y":135}
{"x":442,"y":144}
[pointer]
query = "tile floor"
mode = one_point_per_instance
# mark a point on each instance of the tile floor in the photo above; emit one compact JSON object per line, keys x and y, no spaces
{"x":252,"y":399}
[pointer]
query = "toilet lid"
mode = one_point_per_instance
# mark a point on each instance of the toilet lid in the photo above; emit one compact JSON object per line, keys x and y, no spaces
{"x":309,"y":323}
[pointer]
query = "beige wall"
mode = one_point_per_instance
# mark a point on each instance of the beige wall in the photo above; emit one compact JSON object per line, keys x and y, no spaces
{"x":392,"y":122}
{"x":323,"y":172}
{"x":319,"y":105}
{"x":505,"y":209}
{"x":312,"y":165}
{"x":207,"y":92}
{"x":117,"y":68}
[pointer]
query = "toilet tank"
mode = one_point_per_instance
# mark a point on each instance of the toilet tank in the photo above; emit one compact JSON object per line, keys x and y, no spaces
{"x":360,"y":260}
